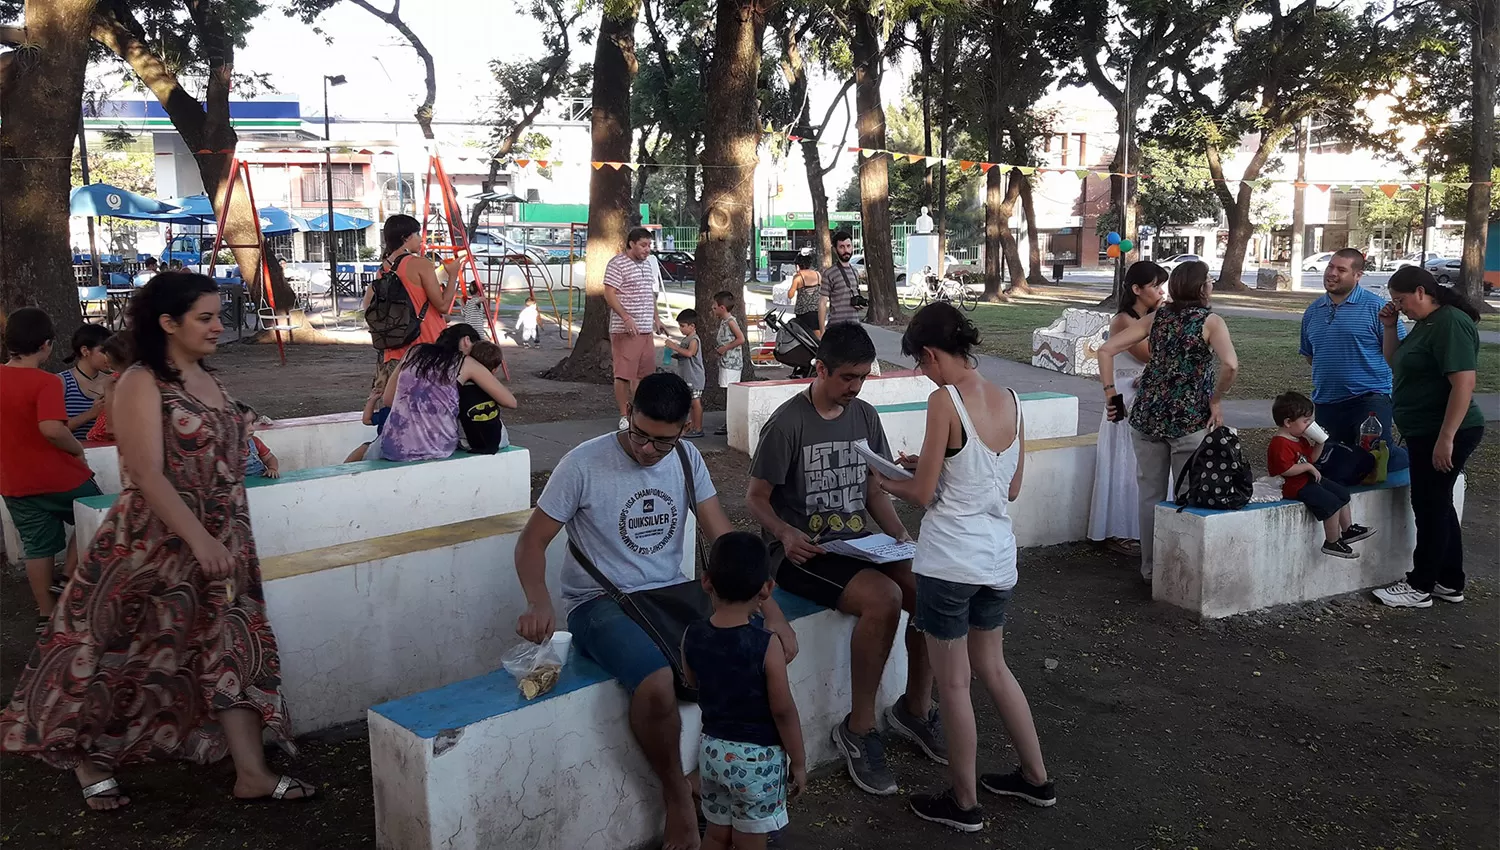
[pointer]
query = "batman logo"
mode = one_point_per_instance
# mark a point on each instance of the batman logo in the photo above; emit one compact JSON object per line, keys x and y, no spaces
{"x":485,"y":411}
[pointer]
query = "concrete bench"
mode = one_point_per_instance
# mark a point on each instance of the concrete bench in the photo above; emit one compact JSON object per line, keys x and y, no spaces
{"x":1071,"y":344}
{"x":473,"y":765}
{"x":1219,"y":563}
{"x":302,"y":443}
{"x":750,"y":404}
{"x":329,"y":505}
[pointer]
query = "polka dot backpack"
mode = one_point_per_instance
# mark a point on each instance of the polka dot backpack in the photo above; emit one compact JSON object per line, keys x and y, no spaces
{"x":1215,"y":476}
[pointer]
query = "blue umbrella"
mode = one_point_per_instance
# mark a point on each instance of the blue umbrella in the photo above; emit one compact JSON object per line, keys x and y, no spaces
{"x":278,"y":220}
{"x":101,"y":199}
{"x":340,"y":222}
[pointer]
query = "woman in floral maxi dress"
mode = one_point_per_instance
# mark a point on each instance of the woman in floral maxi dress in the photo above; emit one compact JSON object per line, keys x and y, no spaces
{"x":160,"y":647}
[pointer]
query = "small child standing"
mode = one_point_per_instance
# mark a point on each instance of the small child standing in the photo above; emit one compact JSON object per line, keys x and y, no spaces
{"x":1289,"y":457}
{"x":751,"y":758}
{"x":481,"y":430}
{"x":729,"y":340}
{"x":260,"y":461}
{"x":688,"y":355}
{"x":474,"y":310}
{"x":120,"y":353}
{"x":528,"y":324}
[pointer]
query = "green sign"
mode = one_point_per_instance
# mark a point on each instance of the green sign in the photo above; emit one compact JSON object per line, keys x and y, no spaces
{"x":837,"y":215}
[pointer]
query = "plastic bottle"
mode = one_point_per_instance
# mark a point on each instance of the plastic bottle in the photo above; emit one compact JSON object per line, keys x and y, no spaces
{"x":1369,"y":432}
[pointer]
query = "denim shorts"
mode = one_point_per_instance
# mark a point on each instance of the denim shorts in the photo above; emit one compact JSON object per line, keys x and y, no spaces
{"x":604,"y":633}
{"x":947,"y":610}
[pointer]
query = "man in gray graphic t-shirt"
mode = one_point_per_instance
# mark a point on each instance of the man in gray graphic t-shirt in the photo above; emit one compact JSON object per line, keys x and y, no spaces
{"x":807,"y":485}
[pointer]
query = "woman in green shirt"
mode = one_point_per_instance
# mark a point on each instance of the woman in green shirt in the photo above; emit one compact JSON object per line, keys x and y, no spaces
{"x":1433,"y":398}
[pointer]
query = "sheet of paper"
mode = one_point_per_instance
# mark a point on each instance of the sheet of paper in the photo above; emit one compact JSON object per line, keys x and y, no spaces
{"x":880,"y":463}
{"x":876,"y":548}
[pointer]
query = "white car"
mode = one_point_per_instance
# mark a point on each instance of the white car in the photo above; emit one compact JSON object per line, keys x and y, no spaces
{"x":1176,"y":260}
{"x":1317,"y":262}
{"x":490,"y":249}
{"x":1419,"y":258}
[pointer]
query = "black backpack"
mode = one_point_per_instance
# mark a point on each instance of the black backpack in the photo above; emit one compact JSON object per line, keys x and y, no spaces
{"x":1215,"y":476}
{"x":393,"y":319}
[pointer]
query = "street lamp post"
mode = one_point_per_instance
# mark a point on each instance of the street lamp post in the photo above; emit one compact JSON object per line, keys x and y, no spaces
{"x":333,"y":260}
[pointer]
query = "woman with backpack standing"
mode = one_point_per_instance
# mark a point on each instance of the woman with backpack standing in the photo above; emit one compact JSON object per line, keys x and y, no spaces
{"x":1178,"y":399}
{"x":431,"y":300}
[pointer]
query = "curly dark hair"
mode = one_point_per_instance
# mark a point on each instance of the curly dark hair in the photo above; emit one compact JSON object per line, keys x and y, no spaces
{"x":167,"y":294}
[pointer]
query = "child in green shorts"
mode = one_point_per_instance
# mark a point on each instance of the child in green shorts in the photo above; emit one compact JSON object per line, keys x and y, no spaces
{"x":42,"y":470}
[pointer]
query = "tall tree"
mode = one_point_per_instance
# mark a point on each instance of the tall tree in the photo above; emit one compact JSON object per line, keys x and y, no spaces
{"x":144,"y":34}
{"x":309,"y":10}
{"x":792,"y":30}
{"x":874,"y":179}
{"x":609,"y":188}
{"x":41,"y":96}
{"x":1298,"y":61}
{"x":675,"y":78}
{"x":1486,"y":71}
{"x":729,"y":155}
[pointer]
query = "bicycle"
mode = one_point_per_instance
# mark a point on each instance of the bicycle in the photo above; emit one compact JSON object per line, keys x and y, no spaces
{"x":945,"y":289}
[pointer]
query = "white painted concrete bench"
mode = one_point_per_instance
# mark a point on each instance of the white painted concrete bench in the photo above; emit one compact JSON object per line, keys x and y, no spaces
{"x":302,"y":443}
{"x":473,"y":766}
{"x":329,"y":505}
{"x":375,"y":620}
{"x":750,"y":404}
{"x":1070,"y":345}
{"x":1219,"y":563}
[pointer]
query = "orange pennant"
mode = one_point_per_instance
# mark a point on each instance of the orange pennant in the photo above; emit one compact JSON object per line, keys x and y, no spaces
{"x":597,"y":165}
{"x":543,"y":163}
{"x":1322,"y":187}
{"x":966,"y":164}
{"x":523,"y":162}
{"x":1390,"y":189}
{"x":986,"y":166}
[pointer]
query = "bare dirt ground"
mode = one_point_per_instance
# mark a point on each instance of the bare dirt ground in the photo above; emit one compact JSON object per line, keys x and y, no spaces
{"x":1335,"y":724}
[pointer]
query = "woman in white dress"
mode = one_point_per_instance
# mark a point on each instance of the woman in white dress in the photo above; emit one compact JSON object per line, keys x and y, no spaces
{"x":1114,"y":514}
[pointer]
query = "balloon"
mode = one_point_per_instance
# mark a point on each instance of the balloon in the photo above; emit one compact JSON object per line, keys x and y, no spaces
{"x":1113,"y":238}
{"x":1113,"y":251}
{"x":1126,"y":245}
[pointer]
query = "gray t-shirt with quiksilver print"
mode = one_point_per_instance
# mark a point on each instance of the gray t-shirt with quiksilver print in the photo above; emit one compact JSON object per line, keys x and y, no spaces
{"x":630,"y":520}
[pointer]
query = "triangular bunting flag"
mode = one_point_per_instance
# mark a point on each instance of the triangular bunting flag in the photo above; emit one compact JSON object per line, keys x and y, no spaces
{"x":1298,"y":184}
{"x":523,"y":162}
{"x":794,"y":138}
{"x":1103,"y":175}
{"x":986,"y":166}
{"x":966,"y":164}
{"x":1322,"y":187}
{"x":597,"y":165}
{"x":1390,"y":189}
{"x":769,"y":128}
{"x":1026,"y":170}
{"x":1415,"y":187}
{"x":1082,"y":173}
{"x":933,"y":160}
{"x":543,"y":163}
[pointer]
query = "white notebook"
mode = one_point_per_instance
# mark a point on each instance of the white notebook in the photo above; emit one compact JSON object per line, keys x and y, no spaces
{"x":881,"y":464}
{"x":876,"y":548}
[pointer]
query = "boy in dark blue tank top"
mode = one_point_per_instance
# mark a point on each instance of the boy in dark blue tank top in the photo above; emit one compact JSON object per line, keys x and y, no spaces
{"x":752,"y":736}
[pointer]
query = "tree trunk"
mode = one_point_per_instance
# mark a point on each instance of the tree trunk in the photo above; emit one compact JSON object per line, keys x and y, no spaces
{"x":999,"y":243}
{"x":1034,"y":276}
{"x":41,"y":101}
{"x":1299,"y":208}
{"x":813,"y":161}
{"x":1240,"y":230}
{"x":729,"y":158}
{"x":204,"y":128}
{"x":924,"y":52}
{"x":874,"y":179}
{"x":1486,"y":63}
{"x":609,"y":191}
{"x":945,"y":61}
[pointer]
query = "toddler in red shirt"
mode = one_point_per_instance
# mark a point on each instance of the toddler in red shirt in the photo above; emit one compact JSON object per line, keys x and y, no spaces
{"x":1291,"y":456}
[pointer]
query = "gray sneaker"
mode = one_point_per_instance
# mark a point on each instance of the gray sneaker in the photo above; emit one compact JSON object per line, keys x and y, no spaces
{"x":926,"y":733}
{"x":865,"y":757}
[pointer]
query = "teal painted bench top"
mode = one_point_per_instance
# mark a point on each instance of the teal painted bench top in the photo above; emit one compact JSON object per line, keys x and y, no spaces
{"x":910,"y":406}
{"x":314,"y":473}
{"x":468,"y":702}
{"x":1399,"y":478}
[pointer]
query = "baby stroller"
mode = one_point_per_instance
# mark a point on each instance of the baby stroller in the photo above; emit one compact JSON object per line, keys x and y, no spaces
{"x":795,"y":345}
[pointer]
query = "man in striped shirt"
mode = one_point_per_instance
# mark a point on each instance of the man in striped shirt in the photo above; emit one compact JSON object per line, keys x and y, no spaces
{"x":840,"y":285}
{"x":631,"y":281}
{"x":1341,"y":339}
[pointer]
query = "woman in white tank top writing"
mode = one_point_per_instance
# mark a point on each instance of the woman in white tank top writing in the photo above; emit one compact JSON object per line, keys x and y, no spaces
{"x":967,"y":474}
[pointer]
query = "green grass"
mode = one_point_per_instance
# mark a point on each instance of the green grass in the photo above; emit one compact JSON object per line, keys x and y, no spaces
{"x":1267,"y":348}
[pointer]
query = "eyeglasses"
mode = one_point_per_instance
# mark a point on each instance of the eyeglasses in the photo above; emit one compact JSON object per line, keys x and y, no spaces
{"x":642,"y":439}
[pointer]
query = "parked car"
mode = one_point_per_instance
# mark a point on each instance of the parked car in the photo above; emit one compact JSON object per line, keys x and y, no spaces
{"x":492,"y":249}
{"x":1419,"y":258}
{"x":676,"y":265}
{"x":1447,"y":271}
{"x":1176,"y":260}
{"x":1317,"y":262}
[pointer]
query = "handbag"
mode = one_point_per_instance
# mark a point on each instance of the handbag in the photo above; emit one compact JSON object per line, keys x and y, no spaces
{"x":664,"y":613}
{"x":1346,"y":465}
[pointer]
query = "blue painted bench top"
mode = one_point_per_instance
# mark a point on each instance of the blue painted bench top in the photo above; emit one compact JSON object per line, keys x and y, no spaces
{"x":908,"y":406}
{"x":464,"y":703}
{"x":1399,"y":478}
{"x":105,"y":501}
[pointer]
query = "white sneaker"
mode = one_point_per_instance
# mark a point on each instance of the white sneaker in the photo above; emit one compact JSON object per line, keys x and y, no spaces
{"x":624,"y":423}
{"x":1447,"y":594}
{"x":1402,"y":595}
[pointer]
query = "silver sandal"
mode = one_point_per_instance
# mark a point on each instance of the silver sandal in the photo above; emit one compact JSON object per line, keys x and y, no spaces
{"x":284,"y":785}
{"x":102,"y":788}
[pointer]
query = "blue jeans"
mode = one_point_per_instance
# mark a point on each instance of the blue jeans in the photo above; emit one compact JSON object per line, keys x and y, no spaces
{"x":604,"y":633}
{"x":1341,"y":419}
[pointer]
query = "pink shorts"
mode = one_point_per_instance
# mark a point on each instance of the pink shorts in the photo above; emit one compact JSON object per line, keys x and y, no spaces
{"x":634,"y":356}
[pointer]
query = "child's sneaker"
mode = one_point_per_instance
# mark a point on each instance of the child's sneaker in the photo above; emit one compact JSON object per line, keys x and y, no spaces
{"x":1356,"y":533}
{"x":1447,"y":594}
{"x":1339,"y":549}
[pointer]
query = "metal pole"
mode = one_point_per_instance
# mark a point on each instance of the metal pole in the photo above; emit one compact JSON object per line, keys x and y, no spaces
{"x":1124,"y":141}
{"x":83,"y":166}
{"x":1426,"y":208}
{"x":333,"y":266}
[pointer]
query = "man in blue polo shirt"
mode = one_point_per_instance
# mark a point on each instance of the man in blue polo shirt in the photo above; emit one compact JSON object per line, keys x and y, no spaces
{"x":1341,"y":339}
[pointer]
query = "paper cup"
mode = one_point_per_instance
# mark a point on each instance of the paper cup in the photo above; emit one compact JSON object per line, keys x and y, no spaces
{"x":560,"y":643}
{"x":1316,"y":433}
